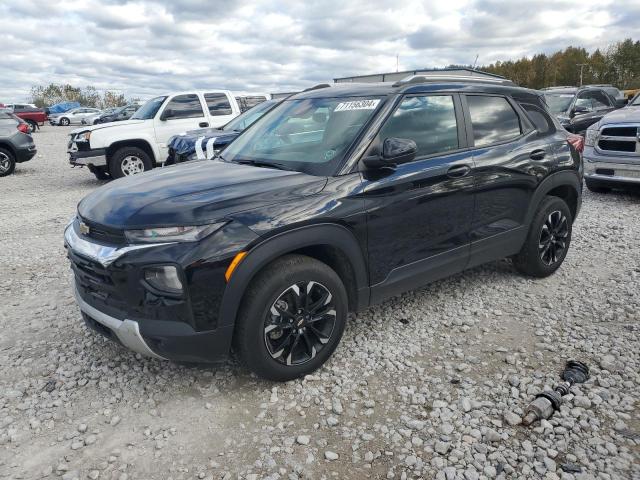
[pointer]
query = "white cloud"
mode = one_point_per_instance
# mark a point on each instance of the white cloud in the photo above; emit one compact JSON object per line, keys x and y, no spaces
{"x":145,"y":47}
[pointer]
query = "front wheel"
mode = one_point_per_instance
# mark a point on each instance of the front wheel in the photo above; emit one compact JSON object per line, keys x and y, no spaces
{"x":129,"y":161}
{"x":548,"y":239}
{"x":292,"y":318}
{"x":64,"y":122}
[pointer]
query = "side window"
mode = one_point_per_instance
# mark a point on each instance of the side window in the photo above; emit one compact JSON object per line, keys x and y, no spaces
{"x":218,"y":104}
{"x":430,"y":121}
{"x":539,"y":117}
{"x":584,"y":101}
{"x":183,"y":106}
{"x":600,"y":100}
{"x":493,"y":119}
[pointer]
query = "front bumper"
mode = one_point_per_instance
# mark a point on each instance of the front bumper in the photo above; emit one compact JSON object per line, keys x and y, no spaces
{"x":611,"y":168}
{"x":126,"y":331}
{"x":115,"y":301}
{"x":97,"y":157}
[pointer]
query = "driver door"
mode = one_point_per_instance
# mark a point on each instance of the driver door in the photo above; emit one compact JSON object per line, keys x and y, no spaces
{"x":419,"y":214}
{"x":181,"y":113}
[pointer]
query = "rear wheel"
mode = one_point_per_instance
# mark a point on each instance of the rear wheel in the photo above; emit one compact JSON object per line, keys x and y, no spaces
{"x":292,"y":318}
{"x":548,"y":239}
{"x":129,"y":161}
{"x":7,"y":162}
{"x":33,"y":126}
{"x":596,"y":187}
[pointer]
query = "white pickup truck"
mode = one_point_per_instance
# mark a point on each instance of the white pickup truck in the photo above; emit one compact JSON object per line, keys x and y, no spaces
{"x":126,"y":148}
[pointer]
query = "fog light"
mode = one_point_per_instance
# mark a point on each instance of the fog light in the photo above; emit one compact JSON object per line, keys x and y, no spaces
{"x":164,"y":278}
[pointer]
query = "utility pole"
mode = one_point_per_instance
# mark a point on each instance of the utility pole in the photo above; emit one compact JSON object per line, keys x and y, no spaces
{"x":581,"y":65}
{"x":397,"y":62}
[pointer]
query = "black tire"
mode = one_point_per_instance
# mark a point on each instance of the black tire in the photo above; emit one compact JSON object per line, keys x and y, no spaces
{"x":546,"y":245}
{"x":33,"y":126}
{"x":64,"y":121}
{"x":7,"y":162}
{"x":596,"y":187}
{"x":101,"y":173}
{"x":119,"y":163}
{"x":255,"y":345}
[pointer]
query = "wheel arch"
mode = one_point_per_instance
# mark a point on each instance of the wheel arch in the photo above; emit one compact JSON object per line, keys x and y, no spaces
{"x":566,"y":185}
{"x":9,"y":147}
{"x":331,"y":244}
{"x":136,"y":142}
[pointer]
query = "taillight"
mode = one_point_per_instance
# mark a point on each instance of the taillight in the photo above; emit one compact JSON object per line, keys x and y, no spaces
{"x":577,"y":141}
{"x":23,"y":127}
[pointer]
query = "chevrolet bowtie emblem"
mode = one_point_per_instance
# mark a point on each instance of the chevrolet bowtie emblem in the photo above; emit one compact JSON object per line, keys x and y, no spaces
{"x":84,"y":228}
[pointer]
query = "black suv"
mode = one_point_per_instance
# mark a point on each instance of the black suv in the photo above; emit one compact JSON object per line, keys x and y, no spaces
{"x":336,"y":199}
{"x":577,"y":108}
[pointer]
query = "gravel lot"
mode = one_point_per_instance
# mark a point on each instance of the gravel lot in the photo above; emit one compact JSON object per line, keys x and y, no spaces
{"x":428,"y":385}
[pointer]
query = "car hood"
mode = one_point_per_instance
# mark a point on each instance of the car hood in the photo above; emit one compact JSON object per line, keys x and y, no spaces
{"x":622,"y":115}
{"x":100,"y":126}
{"x":185,"y":143}
{"x":193,"y":193}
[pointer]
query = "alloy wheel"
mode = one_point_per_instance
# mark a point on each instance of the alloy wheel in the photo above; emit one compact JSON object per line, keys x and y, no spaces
{"x":553,"y":238}
{"x":300,"y":323}
{"x":5,"y":163}
{"x":132,"y":165}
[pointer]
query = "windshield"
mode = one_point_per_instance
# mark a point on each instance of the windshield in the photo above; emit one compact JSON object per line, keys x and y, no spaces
{"x":243,"y":121}
{"x":149,"y":109}
{"x":558,"y":102}
{"x":307,"y":135}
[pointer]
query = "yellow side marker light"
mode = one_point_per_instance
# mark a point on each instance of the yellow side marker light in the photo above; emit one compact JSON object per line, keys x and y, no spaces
{"x":234,"y":263}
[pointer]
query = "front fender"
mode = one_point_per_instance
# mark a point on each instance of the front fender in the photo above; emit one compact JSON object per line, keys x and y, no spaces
{"x":274,"y":247}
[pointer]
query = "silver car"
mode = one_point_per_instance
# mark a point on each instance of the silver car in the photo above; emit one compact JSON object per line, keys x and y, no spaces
{"x":72,"y":117}
{"x":612,"y":150}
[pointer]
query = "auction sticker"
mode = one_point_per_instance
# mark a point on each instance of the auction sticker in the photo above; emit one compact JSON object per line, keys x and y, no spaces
{"x":357,"y":105}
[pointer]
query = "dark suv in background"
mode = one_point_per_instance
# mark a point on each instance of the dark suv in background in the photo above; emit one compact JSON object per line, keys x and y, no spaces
{"x":338,"y":198}
{"x":577,"y":108}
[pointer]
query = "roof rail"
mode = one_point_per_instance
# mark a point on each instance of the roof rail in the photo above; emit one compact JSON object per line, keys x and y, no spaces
{"x":452,"y":78}
{"x":317,"y":87}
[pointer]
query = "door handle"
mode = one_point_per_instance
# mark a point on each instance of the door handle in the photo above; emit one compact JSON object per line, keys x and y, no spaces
{"x":458,"y":171}
{"x":203,"y":124}
{"x":537,"y":155}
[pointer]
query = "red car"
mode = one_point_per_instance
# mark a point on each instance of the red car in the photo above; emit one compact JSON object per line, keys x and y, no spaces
{"x":34,"y":117}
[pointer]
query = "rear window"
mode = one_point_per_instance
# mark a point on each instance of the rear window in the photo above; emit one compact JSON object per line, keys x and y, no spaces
{"x":540,"y":119}
{"x":493,"y":119}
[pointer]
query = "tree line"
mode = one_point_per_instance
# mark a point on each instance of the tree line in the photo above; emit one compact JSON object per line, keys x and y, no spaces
{"x":47,"y":95}
{"x":618,"y":64}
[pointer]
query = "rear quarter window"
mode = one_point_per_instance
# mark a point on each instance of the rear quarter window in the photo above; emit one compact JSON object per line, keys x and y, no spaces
{"x":540,"y":119}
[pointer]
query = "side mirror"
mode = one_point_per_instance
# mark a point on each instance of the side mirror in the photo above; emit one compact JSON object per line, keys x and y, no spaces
{"x":578,"y":109}
{"x":621,"y":102}
{"x":395,"y":151}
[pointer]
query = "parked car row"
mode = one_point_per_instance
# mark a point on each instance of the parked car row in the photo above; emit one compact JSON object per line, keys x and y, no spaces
{"x":335,"y":199}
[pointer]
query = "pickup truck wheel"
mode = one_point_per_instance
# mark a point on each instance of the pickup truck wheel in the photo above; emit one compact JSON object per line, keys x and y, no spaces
{"x":548,"y":239}
{"x":291,"y":319}
{"x":101,"y":173}
{"x":596,"y":187}
{"x":7,"y":162}
{"x":33,"y":126}
{"x":129,"y":161}
{"x":64,"y":121}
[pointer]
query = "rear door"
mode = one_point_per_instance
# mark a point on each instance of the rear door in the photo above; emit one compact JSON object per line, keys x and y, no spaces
{"x":222,"y":109}
{"x":181,"y":113}
{"x":510,"y":158}
{"x":419,"y":213}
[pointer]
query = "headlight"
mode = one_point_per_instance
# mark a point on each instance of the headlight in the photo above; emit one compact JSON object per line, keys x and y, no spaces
{"x":83,"y":137}
{"x":591,"y":137}
{"x":172,"y":234}
{"x":164,"y":278}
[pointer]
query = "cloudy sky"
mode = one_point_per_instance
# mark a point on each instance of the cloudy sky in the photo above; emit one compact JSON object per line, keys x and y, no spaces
{"x":147,"y":47}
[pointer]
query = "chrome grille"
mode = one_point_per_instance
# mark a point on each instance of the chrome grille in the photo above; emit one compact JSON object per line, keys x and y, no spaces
{"x":623,"y":139}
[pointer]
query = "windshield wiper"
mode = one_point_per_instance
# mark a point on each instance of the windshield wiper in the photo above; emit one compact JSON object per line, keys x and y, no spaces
{"x":258,"y":163}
